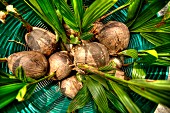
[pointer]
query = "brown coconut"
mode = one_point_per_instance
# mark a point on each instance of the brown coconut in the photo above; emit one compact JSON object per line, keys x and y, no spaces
{"x":34,"y":63}
{"x":41,"y":40}
{"x":70,"y":86}
{"x":115,"y":36}
{"x":60,"y":63}
{"x":93,"y":54}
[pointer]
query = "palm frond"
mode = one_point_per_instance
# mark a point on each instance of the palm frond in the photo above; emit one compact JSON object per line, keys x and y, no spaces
{"x":80,"y":100}
{"x":67,"y":14}
{"x":124,"y":98}
{"x":151,"y":26}
{"x":78,"y":11}
{"x":98,"y":94}
{"x":164,"y":48}
{"x":97,"y":9}
{"x":156,"y":38}
{"x":148,"y":13}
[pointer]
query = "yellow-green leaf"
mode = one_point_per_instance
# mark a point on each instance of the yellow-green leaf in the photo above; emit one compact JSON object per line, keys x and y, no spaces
{"x":152,"y":52}
{"x":138,"y":72}
{"x":20,"y":74}
{"x":130,"y":52}
{"x":30,"y":90}
{"x":148,"y":56}
{"x":21,"y":93}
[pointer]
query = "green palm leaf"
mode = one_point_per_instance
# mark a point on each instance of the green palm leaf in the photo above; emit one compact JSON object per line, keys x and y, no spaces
{"x":6,"y":89}
{"x":2,"y":51}
{"x":148,"y":13}
{"x":101,"y":80}
{"x":164,"y":48}
{"x":134,"y":9}
{"x":6,"y":81}
{"x":36,"y":7}
{"x":5,"y":100}
{"x":124,"y":98}
{"x":154,"y":90}
{"x":80,"y":100}
{"x":67,"y":14}
{"x":6,"y":75}
{"x":157,"y":96}
{"x":161,"y":62}
{"x":98,"y":94}
{"x":116,"y":102}
{"x":86,"y":36}
{"x":151,"y":26}
{"x":95,"y":11}
{"x":20,"y":74}
{"x":162,"y":85}
{"x":78,"y":11}
{"x":156,"y":38}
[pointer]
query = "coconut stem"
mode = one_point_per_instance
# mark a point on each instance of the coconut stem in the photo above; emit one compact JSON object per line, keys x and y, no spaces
{"x":63,"y":47}
{"x":3,"y":60}
{"x":19,"y":17}
{"x":100,"y":73}
{"x":91,"y":69}
{"x":119,"y":8}
{"x":46,"y":77}
{"x":17,"y":42}
{"x":159,"y":54}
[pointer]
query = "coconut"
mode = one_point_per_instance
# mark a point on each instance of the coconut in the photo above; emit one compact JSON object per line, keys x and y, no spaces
{"x":60,"y":63}
{"x":41,"y":40}
{"x":34,"y":63}
{"x":93,"y":54}
{"x":70,"y":86}
{"x":114,"y":35}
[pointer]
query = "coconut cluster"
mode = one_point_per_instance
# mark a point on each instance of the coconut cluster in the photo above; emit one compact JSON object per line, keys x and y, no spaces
{"x":43,"y":59}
